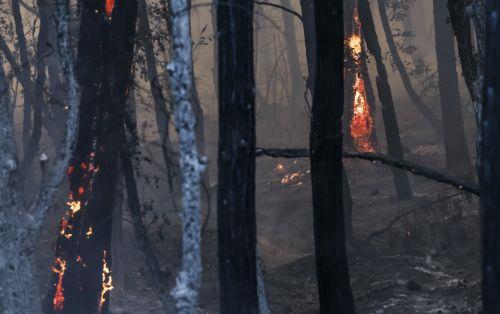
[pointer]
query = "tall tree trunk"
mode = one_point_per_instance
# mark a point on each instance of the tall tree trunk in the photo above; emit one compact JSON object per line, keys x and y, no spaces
{"x":405,"y":78}
{"x":236,"y":178}
{"x":457,"y":154}
{"x":105,"y":59}
{"x":394,"y":146}
{"x":332,"y":272}
{"x":25,"y":72}
{"x":183,"y":91}
{"x":292,"y":55}
{"x":490,"y":169}
{"x":310,"y":40}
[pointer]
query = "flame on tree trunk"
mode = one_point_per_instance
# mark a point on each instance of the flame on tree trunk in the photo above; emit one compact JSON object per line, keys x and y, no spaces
{"x":361,"y":124}
{"x":82,"y":273}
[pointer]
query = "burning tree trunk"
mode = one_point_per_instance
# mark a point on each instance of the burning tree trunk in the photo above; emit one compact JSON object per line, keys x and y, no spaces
{"x":236,"y":179}
{"x":490,"y":169}
{"x":182,"y":86}
{"x":332,"y":272}
{"x":457,"y":154}
{"x":82,"y":270}
{"x":20,"y":227}
{"x":394,"y":146}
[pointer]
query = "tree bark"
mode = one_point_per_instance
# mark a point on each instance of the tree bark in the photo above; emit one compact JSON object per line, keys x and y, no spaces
{"x":457,"y":154}
{"x":394,"y":146}
{"x":236,"y":178}
{"x":183,"y":91}
{"x":332,"y":271}
{"x":490,"y":169}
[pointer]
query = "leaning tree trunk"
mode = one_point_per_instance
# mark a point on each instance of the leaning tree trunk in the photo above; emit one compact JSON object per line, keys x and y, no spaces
{"x":332,"y":272}
{"x":490,"y":170}
{"x":182,"y":85}
{"x":236,"y":178}
{"x":405,"y":78}
{"x":457,"y":154}
{"x":82,"y":271}
{"x":394,"y":146}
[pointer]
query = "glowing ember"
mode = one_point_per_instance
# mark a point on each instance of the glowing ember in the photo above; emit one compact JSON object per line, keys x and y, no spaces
{"x":59,"y":269}
{"x":361,"y":125}
{"x":289,"y":178}
{"x":279,"y":168}
{"x":107,"y":282}
{"x":89,"y":232}
{"x":75,"y":206}
{"x":109,"y":6}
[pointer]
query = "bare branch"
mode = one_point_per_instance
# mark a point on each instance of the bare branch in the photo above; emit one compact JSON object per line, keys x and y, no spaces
{"x":409,"y":166}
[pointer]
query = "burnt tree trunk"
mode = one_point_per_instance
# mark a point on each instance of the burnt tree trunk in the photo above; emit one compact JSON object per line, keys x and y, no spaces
{"x":332,"y":272}
{"x":310,"y":40}
{"x":236,"y":159}
{"x":490,"y":167}
{"x":457,"y":155}
{"x":394,"y":146}
{"x":84,"y":239}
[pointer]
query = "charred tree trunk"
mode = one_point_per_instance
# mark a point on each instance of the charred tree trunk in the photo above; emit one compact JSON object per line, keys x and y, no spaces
{"x":394,"y":146}
{"x":236,"y":178}
{"x":457,"y":154}
{"x":82,"y":270}
{"x":490,"y":169}
{"x":332,"y":272}
{"x":310,"y":39}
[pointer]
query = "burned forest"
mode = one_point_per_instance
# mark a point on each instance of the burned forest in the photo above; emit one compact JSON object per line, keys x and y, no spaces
{"x":249,"y":156}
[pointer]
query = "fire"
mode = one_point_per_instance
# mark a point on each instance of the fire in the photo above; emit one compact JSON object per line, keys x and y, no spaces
{"x":89,"y":232}
{"x":107,"y":281}
{"x":109,"y":6}
{"x":75,"y":206}
{"x":58,"y":300}
{"x":290,"y":177}
{"x":279,"y":168}
{"x":361,"y":125}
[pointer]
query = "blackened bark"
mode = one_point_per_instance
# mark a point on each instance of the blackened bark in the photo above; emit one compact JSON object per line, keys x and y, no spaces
{"x":394,"y":146}
{"x":490,"y":167}
{"x":105,"y":59}
{"x":457,"y":154}
{"x":236,"y":159}
{"x":310,"y":39}
{"x":332,"y":272}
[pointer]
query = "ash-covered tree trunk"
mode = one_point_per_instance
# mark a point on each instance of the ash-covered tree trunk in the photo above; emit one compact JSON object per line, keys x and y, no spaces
{"x":490,"y":169}
{"x":82,"y":268}
{"x":457,"y":154}
{"x":394,"y":146}
{"x":20,"y":226}
{"x":236,"y":159}
{"x":332,"y":271}
{"x":182,"y":83}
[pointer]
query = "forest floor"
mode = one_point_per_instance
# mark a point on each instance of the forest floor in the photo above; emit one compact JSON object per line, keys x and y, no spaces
{"x":428,"y":261}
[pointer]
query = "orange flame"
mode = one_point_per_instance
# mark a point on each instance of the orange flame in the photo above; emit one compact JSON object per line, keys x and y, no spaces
{"x":74,"y":206}
{"x":58,"y":300}
{"x":361,"y":125}
{"x":109,"y":7}
{"x":107,"y":281}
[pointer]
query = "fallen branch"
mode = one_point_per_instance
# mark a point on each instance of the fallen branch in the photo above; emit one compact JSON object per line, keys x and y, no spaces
{"x":409,"y":166}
